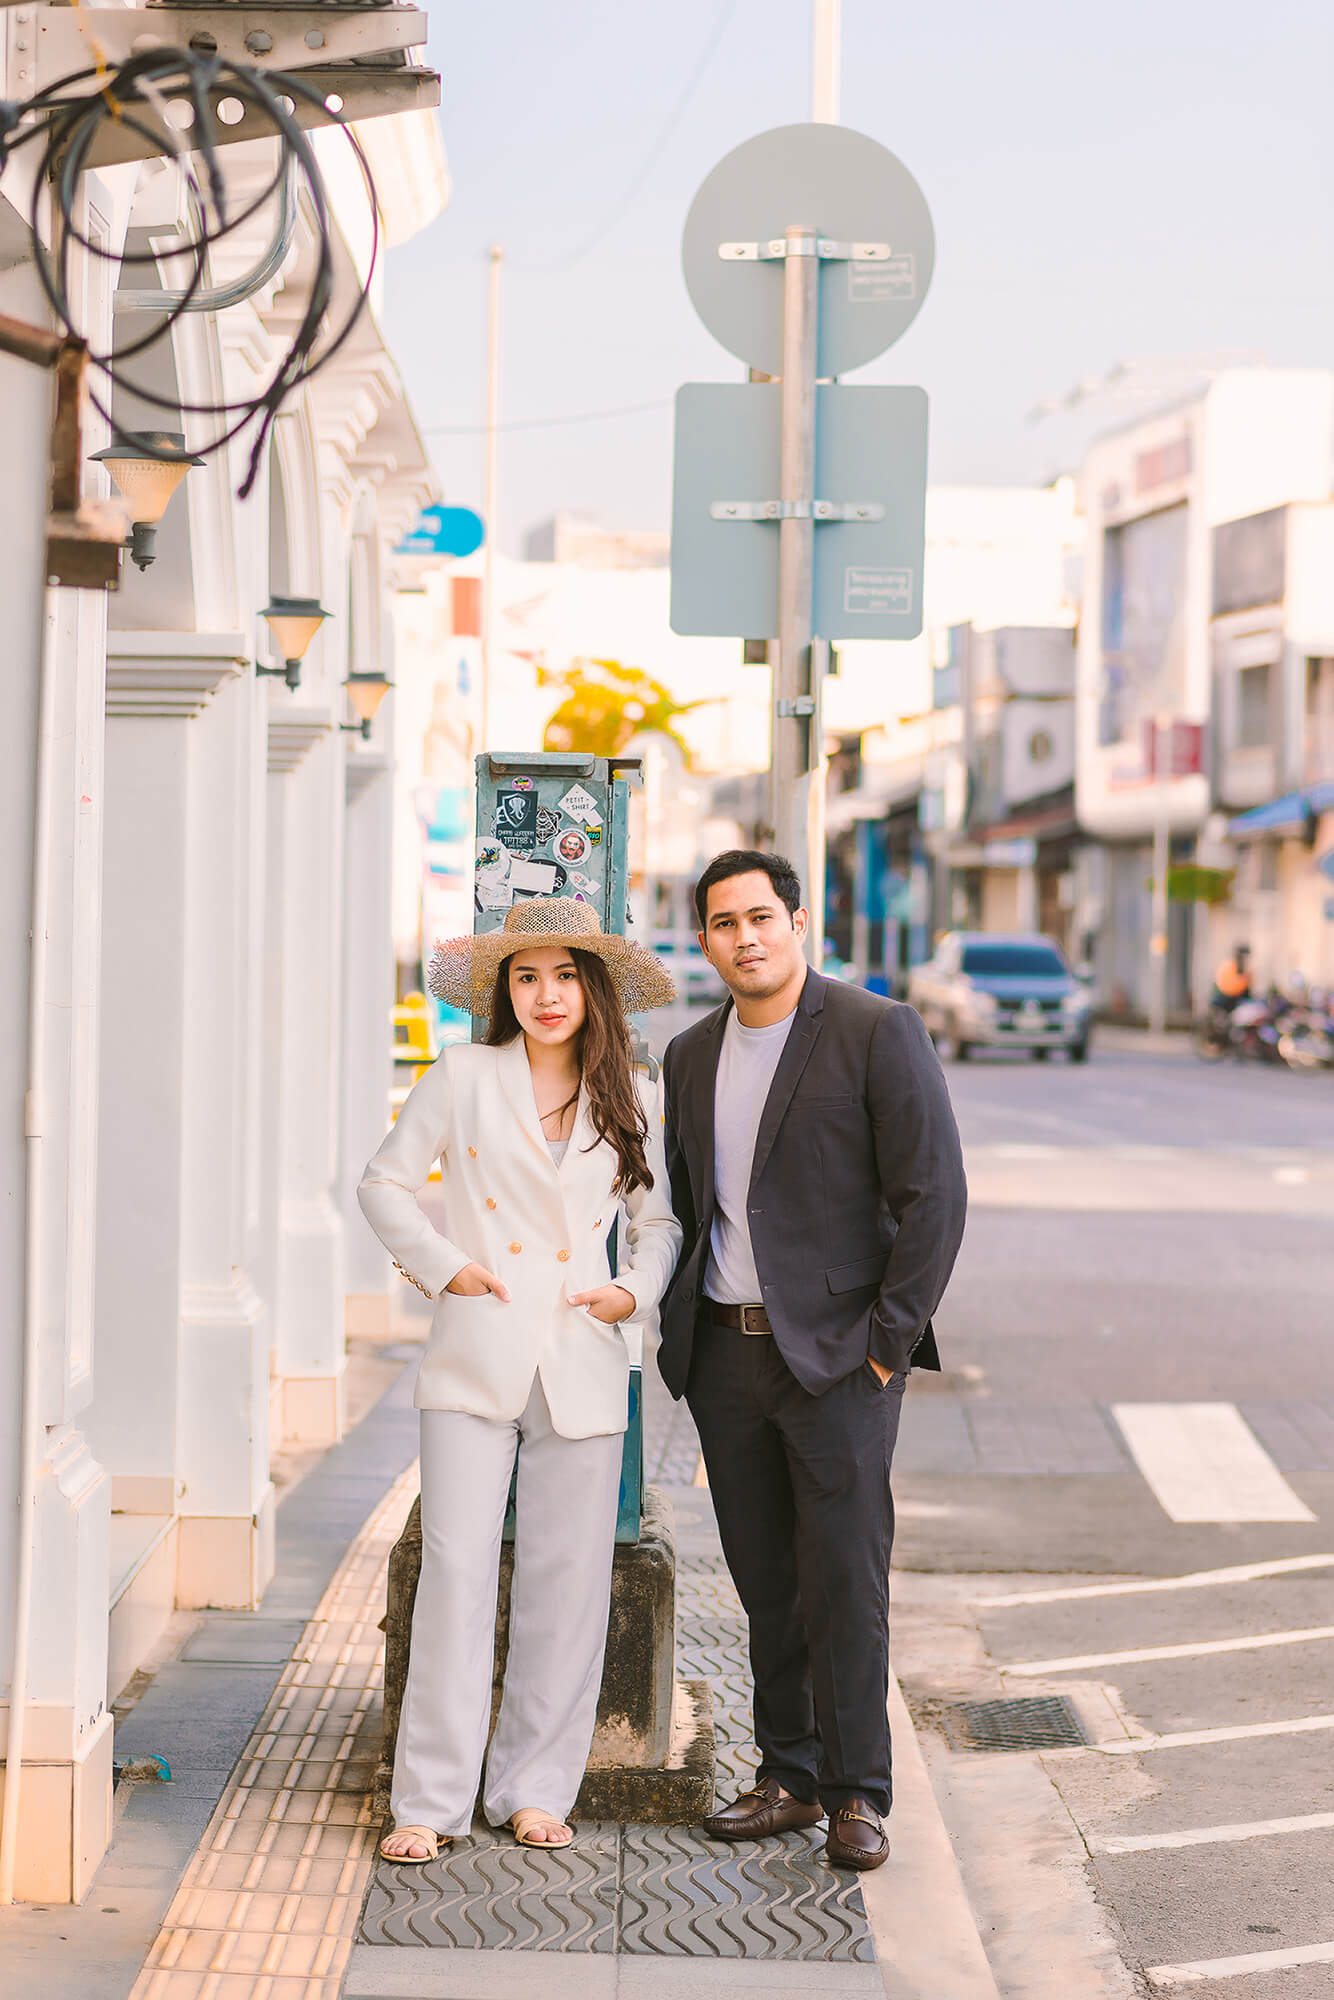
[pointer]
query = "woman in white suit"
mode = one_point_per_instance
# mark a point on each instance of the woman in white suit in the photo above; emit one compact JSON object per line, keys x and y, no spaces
{"x":543,"y":1133}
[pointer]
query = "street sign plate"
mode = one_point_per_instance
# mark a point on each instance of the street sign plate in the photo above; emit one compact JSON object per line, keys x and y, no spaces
{"x":870,"y":446}
{"x":855,"y":192}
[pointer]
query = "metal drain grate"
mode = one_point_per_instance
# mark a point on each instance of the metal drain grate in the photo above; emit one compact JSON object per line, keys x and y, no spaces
{"x":1033,"y":1722}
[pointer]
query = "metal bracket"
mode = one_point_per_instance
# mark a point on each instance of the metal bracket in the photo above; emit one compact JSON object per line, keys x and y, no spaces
{"x":70,"y":39}
{"x":802,"y":704}
{"x":796,"y":510}
{"x":353,"y":92}
{"x":803,"y":246}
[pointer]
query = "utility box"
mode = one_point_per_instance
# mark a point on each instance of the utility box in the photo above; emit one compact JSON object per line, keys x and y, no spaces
{"x":557,"y":823}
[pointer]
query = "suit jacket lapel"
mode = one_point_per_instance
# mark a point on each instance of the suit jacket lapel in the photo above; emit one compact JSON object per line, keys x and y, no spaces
{"x":802,"y":1037}
{"x":517,"y":1083}
{"x":705,"y":1084}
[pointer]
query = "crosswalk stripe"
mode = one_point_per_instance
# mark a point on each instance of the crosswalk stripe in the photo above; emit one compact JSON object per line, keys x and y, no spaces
{"x":1167,"y":1977}
{"x":1187,"y":1739}
{"x":1194,"y":1649}
{"x":1205,"y":1463}
{"x":1199,"y":1579}
{"x":1208,"y":1836}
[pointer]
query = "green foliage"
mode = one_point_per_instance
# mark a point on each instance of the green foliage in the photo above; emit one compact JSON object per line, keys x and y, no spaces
{"x":1189,"y":884}
{"x":606,"y":704}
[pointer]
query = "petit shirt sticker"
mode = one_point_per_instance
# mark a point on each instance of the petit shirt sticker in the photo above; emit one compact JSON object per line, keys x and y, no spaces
{"x":580,"y":805}
{"x":572,"y":846}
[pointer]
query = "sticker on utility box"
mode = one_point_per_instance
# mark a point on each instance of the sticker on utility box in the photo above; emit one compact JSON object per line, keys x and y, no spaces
{"x":534,"y":878}
{"x":581,"y":805}
{"x":888,"y":278}
{"x":879,"y":592}
{"x":516,"y":820}
{"x":572,"y":846}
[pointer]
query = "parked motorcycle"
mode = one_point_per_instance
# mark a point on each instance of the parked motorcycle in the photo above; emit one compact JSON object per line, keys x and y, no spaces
{"x":1294,"y":1028}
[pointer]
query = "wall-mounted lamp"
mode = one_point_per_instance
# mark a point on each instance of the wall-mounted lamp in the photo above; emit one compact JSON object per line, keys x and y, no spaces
{"x":365,"y":692}
{"x":147,"y":473}
{"x":293,"y":621}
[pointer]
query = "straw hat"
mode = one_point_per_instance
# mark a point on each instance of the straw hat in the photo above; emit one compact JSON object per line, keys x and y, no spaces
{"x":463,"y":970}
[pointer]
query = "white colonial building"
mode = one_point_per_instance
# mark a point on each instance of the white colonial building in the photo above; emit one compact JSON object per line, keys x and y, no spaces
{"x":194,"y":984}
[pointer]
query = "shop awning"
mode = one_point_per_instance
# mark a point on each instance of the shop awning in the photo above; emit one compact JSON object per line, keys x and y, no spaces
{"x":1289,"y":811}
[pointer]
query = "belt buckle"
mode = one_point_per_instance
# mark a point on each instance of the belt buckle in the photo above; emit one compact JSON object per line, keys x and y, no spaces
{"x":746,"y":1326}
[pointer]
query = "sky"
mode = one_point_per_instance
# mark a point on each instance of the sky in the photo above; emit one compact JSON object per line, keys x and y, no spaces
{"x":1151,"y":181}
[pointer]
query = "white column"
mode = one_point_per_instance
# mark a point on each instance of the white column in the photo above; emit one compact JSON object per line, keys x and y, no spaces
{"x":63,"y":1801}
{"x":182,"y":1406}
{"x":368,"y":993}
{"x":303,"y":990}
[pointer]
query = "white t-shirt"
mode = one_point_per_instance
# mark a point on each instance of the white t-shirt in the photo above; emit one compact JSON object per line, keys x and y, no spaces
{"x":746,"y":1068}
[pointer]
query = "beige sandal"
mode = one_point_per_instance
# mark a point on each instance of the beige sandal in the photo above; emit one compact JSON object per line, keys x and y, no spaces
{"x":422,"y":1836}
{"x":528,"y":1818}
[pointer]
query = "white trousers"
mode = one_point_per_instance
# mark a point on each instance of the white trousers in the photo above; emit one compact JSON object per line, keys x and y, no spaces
{"x":563,"y":1545}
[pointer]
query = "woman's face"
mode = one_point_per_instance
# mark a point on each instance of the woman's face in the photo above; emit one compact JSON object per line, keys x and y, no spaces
{"x":548,"y":994}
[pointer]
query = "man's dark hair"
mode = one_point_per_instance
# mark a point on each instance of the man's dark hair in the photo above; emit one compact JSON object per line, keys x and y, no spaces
{"x":748,"y":861}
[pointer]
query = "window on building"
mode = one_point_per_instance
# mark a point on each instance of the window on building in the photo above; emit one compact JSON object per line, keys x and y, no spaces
{"x":1253,"y":726}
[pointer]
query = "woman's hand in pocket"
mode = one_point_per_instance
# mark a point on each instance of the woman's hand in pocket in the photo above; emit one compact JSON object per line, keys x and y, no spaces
{"x":609,"y":1303}
{"x":474,"y":1281}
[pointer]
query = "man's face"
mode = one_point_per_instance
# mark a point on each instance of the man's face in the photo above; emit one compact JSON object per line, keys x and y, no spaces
{"x":750,"y":938}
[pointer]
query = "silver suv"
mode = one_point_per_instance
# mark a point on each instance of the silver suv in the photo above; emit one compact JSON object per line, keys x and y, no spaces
{"x":984,"y":990}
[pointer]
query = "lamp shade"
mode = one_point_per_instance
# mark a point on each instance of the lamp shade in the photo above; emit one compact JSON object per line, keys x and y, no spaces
{"x":147,"y":471}
{"x":366,"y":692}
{"x":294,"y":621}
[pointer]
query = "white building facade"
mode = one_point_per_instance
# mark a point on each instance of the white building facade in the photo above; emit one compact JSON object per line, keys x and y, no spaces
{"x":1154,"y":495}
{"x":194,"y":990}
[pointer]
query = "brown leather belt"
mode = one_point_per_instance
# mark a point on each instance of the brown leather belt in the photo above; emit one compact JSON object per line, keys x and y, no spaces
{"x":742,"y":1319}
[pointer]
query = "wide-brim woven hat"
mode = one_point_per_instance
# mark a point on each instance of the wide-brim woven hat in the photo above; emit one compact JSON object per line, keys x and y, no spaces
{"x":463,"y":969}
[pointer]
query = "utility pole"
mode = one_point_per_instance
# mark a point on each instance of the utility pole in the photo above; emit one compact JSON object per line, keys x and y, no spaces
{"x":797,"y":765}
{"x":1162,"y":739}
{"x":490,"y":501}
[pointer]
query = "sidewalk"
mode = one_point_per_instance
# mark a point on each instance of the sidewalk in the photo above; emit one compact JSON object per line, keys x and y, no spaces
{"x":283,"y":1897}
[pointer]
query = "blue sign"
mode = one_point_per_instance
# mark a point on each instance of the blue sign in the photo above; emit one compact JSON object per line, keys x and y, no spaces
{"x":444,"y":531}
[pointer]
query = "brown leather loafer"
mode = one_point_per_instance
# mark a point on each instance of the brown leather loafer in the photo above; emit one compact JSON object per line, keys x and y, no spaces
{"x":856,"y":1837}
{"x":766,"y":1809}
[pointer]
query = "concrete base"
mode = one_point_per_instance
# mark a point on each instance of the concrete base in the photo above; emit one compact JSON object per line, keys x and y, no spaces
{"x":224,"y":1562}
{"x":312,"y":1409}
{"x":652,"y":1756}
{"x":366,"y":1313}
{"x":64,"y":1821}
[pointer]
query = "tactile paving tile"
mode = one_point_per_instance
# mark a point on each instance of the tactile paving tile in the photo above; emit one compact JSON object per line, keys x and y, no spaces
{"x":750,"y":1899}
{"x":485,"y":1893}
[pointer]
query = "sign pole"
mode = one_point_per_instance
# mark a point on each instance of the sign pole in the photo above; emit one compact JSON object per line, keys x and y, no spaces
{"x":490,"y":502}
{"x":793,"y":739}
{"x":826,"y":40}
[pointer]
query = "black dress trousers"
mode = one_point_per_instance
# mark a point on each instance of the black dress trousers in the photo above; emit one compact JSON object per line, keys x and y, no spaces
{"x":800,"y":1486}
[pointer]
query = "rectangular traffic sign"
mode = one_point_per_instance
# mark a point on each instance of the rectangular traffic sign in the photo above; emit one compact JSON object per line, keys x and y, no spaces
{"x":870,"y":451}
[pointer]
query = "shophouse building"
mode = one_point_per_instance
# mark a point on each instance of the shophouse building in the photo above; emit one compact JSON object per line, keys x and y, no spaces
{"x":196,"y":967}
{"x":1161,"y":631}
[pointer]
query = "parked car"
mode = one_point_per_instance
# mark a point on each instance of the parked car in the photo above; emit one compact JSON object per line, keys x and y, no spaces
{"x":984,"y":990}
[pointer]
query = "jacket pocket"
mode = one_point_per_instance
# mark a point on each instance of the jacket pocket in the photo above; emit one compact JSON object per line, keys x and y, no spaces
{"x":852,"y":1277}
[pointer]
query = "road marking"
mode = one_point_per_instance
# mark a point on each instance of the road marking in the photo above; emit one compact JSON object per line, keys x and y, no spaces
{"x":1184,"y":1739}
{"x":1291,"y":1176}
{"x":1206,"y":1836}
{"x":1205,"y":1463}
{"x":1167,"y":1976}
{"x":1198,"y":1579}
{"x":1194,"y":1651}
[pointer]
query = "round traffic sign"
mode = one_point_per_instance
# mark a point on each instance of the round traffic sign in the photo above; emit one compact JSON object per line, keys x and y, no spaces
{"x":851,"y":190}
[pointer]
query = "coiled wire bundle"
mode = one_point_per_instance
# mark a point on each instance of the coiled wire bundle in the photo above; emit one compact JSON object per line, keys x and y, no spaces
{"x":66,"y":121}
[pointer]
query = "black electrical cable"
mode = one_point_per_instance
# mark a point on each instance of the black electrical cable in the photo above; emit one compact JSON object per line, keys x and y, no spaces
{"x":67,"y":118}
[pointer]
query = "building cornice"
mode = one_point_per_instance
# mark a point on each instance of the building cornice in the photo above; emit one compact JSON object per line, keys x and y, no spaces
{"x":293,"y":733}
{"x":170,"y":674}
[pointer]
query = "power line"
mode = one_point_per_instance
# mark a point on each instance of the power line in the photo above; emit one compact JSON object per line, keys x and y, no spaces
{"x":546,"y":423}
{"x":655,"y":152}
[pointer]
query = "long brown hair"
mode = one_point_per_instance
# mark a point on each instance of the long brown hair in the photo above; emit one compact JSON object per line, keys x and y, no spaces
{"x":606,"y":1059}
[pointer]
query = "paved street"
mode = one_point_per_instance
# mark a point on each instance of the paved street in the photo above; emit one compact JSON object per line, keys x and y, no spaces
{"x":1122,"y":1492}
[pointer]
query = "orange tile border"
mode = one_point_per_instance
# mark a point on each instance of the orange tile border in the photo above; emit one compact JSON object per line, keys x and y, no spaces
{"x":268,"y":1906}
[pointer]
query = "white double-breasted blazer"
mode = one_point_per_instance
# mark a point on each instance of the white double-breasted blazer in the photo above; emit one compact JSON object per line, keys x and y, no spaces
{"x":540,"y":1227}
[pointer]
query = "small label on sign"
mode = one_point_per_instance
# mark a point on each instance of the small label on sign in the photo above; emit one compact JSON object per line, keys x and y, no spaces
{"x":880,"y":283}
{"x":879,"y":592}
{"x":581,"y":805}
